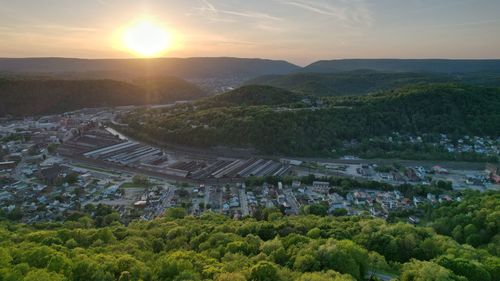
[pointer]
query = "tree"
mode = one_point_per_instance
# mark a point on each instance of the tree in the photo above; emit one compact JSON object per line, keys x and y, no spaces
{"x":52,"y":148}
{"x":158,"y":245}
{"x":43,"y":275}
{"x":339,"y":212}
{"x":176,"y":213}
{"x":71,"y":178}
{"x":345,"y":257}
{"x":5,"y":258}
{"x":140,"y":180}
{"x":125,"y":276}
{"x":175,"y":267}
{"x":314,"y":233}
{"x":230,"y":277}
{"x":86,"y":269}
{"x":325,"y":276}
{"x":264,"y":271}
{"x":318,"y":209}
{"x":306,"y":263}
{"x":266,"y":231}
{"x":473,"y":271}
{"x":71,"y":244}
{"x":427,"y":271}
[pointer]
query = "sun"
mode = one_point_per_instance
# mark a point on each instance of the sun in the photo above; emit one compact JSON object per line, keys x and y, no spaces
{"x":146,"y":39}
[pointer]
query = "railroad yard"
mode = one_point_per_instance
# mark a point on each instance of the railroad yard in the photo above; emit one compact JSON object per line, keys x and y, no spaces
{"x":100,"y":145}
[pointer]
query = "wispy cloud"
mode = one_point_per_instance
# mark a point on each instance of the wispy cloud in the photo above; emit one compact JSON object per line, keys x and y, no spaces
{"x":207,"y":6}
{"x":255,"y":15}
{"x":350,"y":13}
{"x":210,"y":11}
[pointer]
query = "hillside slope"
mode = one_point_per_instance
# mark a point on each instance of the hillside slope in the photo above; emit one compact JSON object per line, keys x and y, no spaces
{"x":254,"y":95}
{"x":358,"y":82}
{"x":186,"y":68}
{"x":425,"y":109}
{"x":20,"y":97}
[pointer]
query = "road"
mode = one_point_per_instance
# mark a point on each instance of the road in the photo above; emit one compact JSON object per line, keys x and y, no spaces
{"x":165,"y":201}
{"x":381,"y":276}
{"x":207,"y":195}
{"x":221,"y":200}
{"x":290,"y":198}
{"x":243,"y":202}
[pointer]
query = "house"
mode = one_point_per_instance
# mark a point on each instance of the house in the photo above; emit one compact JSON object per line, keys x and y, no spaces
{"x":444,"y":198}
{"x":494,"y":177}
{"x":9,"y":165}
{"x":321,"y":185}
{"x":413,"y":220}
{"x":417,"y":201}
{"x":337,"y":202}
{"x":5,"y":196}
{"x":360,"y":198}
{"x":112,"y":190}
{"x":431,"y":197}
{"x":296,"y":184}
{"x":439,"y":170}
{"x":350,"y":197}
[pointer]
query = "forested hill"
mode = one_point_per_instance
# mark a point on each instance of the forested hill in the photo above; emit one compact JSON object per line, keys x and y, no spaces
{"x":253,"y":95}
{"x":406,"y":65}
{"x":20,"y":97}
{"x":358,"y":82}
{"x":201,"y":68}
{"x":309,"y":131}
{"x":94,"y":246}
{"x":362,"y":82}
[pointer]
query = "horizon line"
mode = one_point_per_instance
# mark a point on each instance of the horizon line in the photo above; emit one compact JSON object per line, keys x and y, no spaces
{"x":250,"y":58}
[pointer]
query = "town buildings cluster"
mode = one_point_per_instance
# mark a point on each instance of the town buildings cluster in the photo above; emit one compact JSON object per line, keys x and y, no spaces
{"x":55,"y":166}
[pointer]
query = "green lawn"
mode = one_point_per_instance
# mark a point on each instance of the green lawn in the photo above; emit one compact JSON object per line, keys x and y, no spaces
{"x":132,"y":185}
{"x":95,"y":169}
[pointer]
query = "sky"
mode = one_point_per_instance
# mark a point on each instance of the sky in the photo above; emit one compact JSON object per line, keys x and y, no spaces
{"x":300,"y":31}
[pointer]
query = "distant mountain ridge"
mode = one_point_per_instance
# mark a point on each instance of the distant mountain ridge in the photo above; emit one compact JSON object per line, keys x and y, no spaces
{"x":405,"y":65}
{"x":186,"y":68}
{"x":225,"y":67}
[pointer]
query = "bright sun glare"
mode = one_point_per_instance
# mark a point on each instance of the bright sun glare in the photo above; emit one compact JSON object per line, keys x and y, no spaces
{"x":146,"y":39}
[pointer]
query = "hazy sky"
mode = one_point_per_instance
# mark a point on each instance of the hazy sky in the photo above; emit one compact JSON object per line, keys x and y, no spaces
{"x":300,"y":31}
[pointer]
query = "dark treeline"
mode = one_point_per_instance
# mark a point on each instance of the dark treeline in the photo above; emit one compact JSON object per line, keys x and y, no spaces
{"x":474,"y":221}
{"x":358,"y":82}
{"x":20,"y":97}
{"x":361,"y":82}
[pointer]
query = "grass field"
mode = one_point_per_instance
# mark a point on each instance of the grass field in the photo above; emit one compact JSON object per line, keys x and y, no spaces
{"x":132,"y":185}
{"x":83,"y":166}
